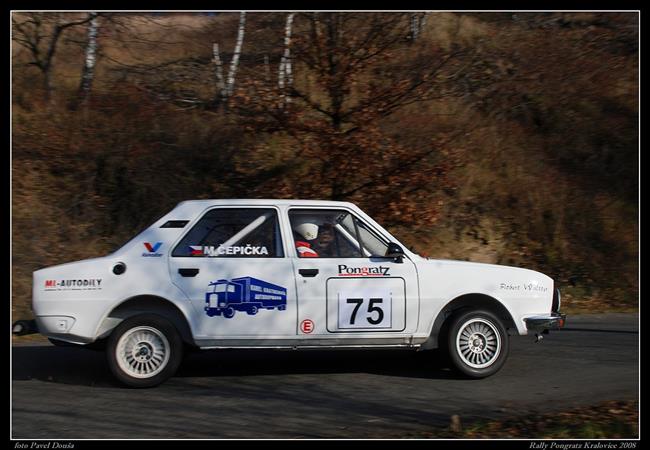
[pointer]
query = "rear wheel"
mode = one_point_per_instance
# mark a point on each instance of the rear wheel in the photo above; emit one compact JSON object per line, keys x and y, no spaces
{"x":144,"y":351}
{"x":477,"y":343}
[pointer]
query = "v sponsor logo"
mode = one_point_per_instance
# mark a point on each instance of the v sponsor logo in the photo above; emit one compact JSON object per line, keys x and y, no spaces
{"x":152,"y":250}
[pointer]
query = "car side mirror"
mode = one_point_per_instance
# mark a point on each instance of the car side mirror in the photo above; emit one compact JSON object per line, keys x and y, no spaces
{"x":394,"y":251}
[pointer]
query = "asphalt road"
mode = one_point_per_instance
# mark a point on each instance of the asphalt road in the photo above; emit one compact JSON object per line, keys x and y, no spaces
{"x":67,"y":393}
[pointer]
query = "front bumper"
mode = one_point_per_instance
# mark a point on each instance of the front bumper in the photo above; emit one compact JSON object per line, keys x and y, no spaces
{"x":553,"y":321}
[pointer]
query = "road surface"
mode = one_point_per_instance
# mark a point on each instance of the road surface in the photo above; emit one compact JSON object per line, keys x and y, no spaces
{"x":69,"y":393}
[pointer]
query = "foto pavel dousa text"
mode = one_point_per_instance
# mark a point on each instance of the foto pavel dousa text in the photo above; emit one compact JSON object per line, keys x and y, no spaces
{"x":44,"y":445}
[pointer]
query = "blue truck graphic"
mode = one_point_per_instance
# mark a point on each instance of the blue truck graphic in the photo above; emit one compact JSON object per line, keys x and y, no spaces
{"x":243,"y":294}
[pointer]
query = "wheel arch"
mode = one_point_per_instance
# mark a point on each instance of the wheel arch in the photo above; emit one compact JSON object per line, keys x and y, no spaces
{"x":150,"y":304}
{"x":465,"y":302}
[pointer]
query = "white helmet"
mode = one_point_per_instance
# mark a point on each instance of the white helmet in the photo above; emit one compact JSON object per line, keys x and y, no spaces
{"x":306,"y":229}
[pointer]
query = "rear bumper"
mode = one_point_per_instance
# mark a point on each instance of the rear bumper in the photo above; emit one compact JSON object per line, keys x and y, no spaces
{"x":553,"y":321}
{"x":55,"y":327}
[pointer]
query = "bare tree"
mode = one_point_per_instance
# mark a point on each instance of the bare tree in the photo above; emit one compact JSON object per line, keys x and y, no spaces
{"x":40,"y":33}
{"x":358,"y":71}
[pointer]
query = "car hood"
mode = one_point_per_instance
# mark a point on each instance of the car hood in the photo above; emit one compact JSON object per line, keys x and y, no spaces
{"x":485,"y":277}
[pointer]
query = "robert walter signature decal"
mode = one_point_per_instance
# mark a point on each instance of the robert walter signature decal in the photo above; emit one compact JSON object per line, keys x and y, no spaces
{"x":529,"y":287}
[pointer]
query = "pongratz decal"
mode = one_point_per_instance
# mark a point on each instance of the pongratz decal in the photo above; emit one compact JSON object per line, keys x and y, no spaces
{"x":152,"y":250}
{"x":246,"y":294}
{"x":209,"y":250}
{"x":84,"y":284}
{"x":376,"y":271}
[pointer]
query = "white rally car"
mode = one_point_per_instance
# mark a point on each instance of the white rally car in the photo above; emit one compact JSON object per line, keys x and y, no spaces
{"x":282,"y":274}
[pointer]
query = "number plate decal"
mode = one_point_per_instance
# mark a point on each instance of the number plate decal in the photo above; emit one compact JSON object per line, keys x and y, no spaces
{"x":363,"y":304}
{"x":365,"y":309}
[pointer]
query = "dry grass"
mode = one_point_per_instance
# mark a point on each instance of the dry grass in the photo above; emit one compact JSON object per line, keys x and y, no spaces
{"x":606,"y":420}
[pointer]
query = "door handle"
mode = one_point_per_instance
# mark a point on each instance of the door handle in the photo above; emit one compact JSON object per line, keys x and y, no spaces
{"x":308,"y":272}
{"x":188,"y":272}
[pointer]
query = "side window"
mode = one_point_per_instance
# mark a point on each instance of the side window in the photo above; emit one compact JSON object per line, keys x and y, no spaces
{"x":333,"y":234}
{"x":233,"y":233}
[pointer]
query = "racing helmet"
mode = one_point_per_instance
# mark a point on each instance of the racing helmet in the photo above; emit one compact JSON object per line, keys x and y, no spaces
{"x":306,"y":228}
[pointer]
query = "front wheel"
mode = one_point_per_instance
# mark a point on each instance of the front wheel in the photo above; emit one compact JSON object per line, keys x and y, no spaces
{"x":144,"y":351}
{"x":477,"y":344}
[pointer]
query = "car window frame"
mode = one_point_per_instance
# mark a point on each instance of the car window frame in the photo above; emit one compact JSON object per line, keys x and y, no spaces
{"x":294,"y":251}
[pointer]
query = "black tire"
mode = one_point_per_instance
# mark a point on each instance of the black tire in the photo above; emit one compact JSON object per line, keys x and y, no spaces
{"x":99,"y":345}
{"x":189,"y":350}
{"x":477,"y":343}
{"x":253,"y":310}
{"x":166,"y":344}
{"x":229,"y":312}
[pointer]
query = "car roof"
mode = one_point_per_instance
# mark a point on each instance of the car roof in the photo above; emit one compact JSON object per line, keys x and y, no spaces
{"x":221,"y":201}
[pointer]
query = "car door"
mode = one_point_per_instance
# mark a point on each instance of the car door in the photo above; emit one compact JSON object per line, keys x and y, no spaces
{"x":232,"y":265}
{"x":346,"y":288}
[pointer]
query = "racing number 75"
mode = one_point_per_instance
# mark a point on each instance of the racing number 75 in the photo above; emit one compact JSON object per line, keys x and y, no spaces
{"x":371,"y":308}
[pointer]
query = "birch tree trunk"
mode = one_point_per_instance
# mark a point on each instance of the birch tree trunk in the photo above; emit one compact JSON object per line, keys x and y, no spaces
{"x":235,"y":57}
{"x":417,"y":22}
{"x":284,"y":72}
{"x":90,"y":60}
{"x":226,"y":86}
{"x":218,"y":71}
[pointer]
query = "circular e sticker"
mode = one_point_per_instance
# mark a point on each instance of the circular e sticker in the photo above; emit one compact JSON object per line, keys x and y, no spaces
{"x":307,"y":326}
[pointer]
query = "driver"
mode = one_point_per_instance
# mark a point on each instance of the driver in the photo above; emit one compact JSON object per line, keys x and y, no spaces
{"x":308,"y":231}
